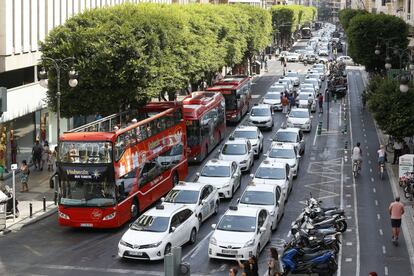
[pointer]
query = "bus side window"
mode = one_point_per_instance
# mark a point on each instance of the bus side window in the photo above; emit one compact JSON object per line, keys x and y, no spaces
{"x":149,"y":172}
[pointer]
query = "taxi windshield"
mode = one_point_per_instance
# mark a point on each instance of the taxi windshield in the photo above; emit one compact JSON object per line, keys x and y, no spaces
{"x":270,"y":173}
{"x":237,"y":223}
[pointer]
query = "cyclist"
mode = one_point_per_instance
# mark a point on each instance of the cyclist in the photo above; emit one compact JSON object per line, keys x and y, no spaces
{"x":357,"y":155}
{"x":364,"y":98}
{"x":382,"y":156}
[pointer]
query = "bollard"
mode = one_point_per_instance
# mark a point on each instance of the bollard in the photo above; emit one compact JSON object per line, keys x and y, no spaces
{"x":335,"y":98}
{"x":169,"y":265}
{"x":44,"y":204}
{"x":319,"y":131}
{"x":30,"y":210}
{"x":346,"y":145}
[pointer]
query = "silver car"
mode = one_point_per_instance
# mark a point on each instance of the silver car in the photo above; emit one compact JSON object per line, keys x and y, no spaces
{"x":261,"y":115}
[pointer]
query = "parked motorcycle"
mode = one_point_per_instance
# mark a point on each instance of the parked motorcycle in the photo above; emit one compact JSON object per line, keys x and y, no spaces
{"x":9,"y":208}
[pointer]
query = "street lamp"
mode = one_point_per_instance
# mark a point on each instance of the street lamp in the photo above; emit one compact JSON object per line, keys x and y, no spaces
{"x":58,"y":64}
{"x":388,"y":63}
{"x":404,"y":84}
{"x":377,"y":49}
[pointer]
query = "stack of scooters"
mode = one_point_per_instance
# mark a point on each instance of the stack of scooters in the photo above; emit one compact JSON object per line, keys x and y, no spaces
{"x":315,"y":240}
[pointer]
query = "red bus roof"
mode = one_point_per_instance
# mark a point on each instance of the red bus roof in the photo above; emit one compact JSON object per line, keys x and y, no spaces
{"x":199,"y":102}
{"x":229,"y":83}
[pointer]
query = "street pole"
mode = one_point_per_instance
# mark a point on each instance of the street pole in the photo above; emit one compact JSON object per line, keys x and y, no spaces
{"x":14,"y":167}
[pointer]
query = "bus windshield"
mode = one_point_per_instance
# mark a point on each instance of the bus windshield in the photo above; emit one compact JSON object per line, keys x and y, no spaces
{"x":231,"y":102}
{"x":85,"y":152}
{"x":193,"y":133}
{"x":87,"y":193}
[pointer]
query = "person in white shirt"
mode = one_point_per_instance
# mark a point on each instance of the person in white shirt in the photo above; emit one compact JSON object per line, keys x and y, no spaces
{"x":357,"y":154}
{"x":381,"y":155}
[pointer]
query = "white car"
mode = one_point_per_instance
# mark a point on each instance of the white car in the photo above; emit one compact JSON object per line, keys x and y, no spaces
{"x":292,"y":136}
{"x":287,"y":82}
{"x":278,"y":88}
{"x":304,"y":86}
{"x":267,"y":196}
{"x":225,"y":176}
{"x":304,"y":99}
{"x":274,"y":173}
{"x":273,"y":99}
{"x":323,"y":52}
{"x":317,"y":71}
{"x":202,"y":199}
{"x":315,"y":81}
{"x":253,"y":134}
{"x":315,"y":75}
{"x":319,"y":66}
{"x":294,"y":77}
{"x":261,"y":115}
{"x":240,"y":151}
{"x":159,"y":229}
{"x":285,"y":153}
{"x":242,"y":232}
{"x":300,"y":118}
{"x":292,"y":57}
{"x":345,"y":59}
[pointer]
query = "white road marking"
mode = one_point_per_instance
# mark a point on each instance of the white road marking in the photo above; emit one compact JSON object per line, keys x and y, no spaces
{"x":363,"y":129}
{"x":348,"y":195}
{"x":372,"y":179}
{"x":369,"y":161}
{"x":35,"y":252}
{"x":381,"y":233}
{"x":386,"y":270}
{"x":314,"y":139}
{"x":255,"y":96}
{"x":349,"y":206}
{"x":349,"y":230}
{"x":370,"y":169}
{"x":374,"y":190}
{"x":349,"y":243}
{"x":376,"y":202}
{"x":365,"y":135}
{"x":348,"y":260}
{"x":349,"y":217}
{"x":367,"y":153}
{"x":194,"y":250}
{"x":383,"y":250}
{"x":100,"y":269}
{"x":378,"y":216}
{"x":366,"y":147}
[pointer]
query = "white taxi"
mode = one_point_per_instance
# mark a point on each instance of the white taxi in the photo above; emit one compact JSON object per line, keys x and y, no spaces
{"x":291,"y":135}
{"x":274,"y":173}
{"x":265,"y":196}
{"x":284,"y":153}
{"x":303,"y":100}
{"x":222,"y":174}
{"x":294,"y":76}
{"x":238,"y":150}
{"x":242,"y":232}
{"x":273,"y":99}
{"x":159,"y":229}
{"x":261,"y":115}
{"x":300,"y":118}
{"x":253,"y":134}
{"x":201,"y":198}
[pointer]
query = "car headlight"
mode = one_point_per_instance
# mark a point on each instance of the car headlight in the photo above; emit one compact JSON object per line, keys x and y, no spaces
{"x":63,"y":215}
{"x":124,"y":243}
{"x":249,"y":243}
{"x":308,"y":122}
{"x":213,"y":241}
{"x":243,"y":162}
{"x":110,"y":216}
{"x":151,"y":245}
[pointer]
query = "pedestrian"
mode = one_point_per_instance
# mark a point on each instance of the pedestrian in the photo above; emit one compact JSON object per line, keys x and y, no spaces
{"x":52,"y":159}
{"x":37,"y":154}
{"x":282,"y":60}
{"x":24,"y":176}
{"x":274,"y":264}
{"x":398,"y":146}
{"x":292,"y":101}
{"x":396,"y":210}
{"x":320,"y":101}
{"x":249,"y":268}
{"x":14,"y":149}
{"x":45,"y":155}
{"x":310,"y":102}
{"x":285,"y":103}
{"x":372,"y":274}
{"x":233,"y":271}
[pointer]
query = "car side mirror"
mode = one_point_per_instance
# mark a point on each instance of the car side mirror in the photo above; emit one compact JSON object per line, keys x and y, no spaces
{"x":299,"y":156}
{"x":162,"y":199}
{"x":219,"y":150}
{"x":266,"y":155}
{"x":238,"y":200}
{"x":197,"y":174}
{"x":251,"y":176}
{"x":262,"y":229}
{"x":213,"y":226}
{"x":287,"y":115}
{"x":270,"y":139}
{"x":311,"y":116}
{"x":277,"y":204}
{"x":172,"y":229}
{"x":203,"y":202}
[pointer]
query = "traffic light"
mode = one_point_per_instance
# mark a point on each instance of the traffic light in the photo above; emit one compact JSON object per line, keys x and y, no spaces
{"x":3,"y":100}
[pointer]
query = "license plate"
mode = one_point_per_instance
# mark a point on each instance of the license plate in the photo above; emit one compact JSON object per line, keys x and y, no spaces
{"x":133,"y":253}
{"x":230,"y":252}
{"x":86,"y":225}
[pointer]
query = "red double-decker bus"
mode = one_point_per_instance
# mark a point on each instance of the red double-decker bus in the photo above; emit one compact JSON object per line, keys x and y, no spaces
{"x":237,"y":94}
{"x":204,"y":113}
{"x":112,"y":169}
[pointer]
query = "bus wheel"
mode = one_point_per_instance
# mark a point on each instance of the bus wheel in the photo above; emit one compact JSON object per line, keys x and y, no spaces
{"x":134,"y":210}
{"x":175,"y":179}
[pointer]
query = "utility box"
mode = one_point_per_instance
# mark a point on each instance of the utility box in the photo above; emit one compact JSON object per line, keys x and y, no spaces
{"x":406,"y":164}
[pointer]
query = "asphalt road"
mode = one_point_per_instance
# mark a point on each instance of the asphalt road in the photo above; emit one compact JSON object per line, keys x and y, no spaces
{"x":46,"y":248}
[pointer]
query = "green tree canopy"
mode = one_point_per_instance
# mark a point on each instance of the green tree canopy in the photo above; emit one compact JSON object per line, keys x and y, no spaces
{"x":346,"y":15}
{"x":365,"y":31}
{"x":129,"y":53}
{"x":392,"y":109}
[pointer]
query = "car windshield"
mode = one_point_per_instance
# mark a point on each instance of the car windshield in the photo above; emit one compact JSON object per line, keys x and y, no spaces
{"x":237,"y":223}
{"x":182,"y":196}
{"x":299,"y":114}
{"x":285,"y":136}
{"x":248,"y":134}
{"x":313,"y":76}
{"x":291,"y":75}
{"x":260,"y":112}
{"x":282,"y":153}
{"x":278,"y":88}
{"x":215,"y":171}
{"x":258,"y":198}
{"x":272,"y":96}
{"x":234,"y":149}
{"x":270,"y":173}
{"x":150,"y":224}
{"x":304,"y":96}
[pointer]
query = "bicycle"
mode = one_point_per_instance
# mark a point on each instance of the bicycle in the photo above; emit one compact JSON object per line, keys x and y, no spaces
{"x":356,"y":167}
{"x":381,"y":169}
{"x":390,"y":144}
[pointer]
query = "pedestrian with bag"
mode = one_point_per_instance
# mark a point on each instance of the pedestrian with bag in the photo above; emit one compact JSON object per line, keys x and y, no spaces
{"x":37,"y":154}
{"x":285,"y":103}
{"x":24,"y":176}
{"x":274,"y":264}
{"x":320,"y":101}
{"x":396,"y":210}
{"x":45,"y":155}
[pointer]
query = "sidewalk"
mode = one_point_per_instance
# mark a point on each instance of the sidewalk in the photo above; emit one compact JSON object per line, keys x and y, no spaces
{"x":38,"y":188}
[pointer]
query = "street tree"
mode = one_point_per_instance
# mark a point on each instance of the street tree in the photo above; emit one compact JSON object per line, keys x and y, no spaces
{"x":365,"y":31}
{"x":392,"y":109}
{"x":346,"y":15}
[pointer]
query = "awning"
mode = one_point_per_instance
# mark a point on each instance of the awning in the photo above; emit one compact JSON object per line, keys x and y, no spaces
{"x":24,"y":100}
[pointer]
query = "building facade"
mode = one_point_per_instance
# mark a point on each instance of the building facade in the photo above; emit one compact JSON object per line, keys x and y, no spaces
{"x":23,"y":23}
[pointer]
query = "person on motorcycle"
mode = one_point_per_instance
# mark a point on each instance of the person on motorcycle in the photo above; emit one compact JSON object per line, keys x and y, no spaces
{"x":357,"y":155}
